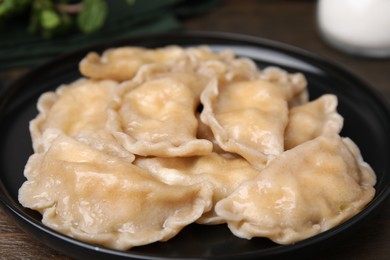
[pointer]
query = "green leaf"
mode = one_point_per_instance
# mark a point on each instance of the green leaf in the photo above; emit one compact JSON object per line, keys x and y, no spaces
{"x":49,"y":19}
{"x":92,"y":16}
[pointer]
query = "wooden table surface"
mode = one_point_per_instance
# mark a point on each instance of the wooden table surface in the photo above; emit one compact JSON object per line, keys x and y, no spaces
{"x":291,"y":22}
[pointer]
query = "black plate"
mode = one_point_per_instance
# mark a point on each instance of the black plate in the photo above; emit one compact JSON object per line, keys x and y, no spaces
{"x":367,"y":122}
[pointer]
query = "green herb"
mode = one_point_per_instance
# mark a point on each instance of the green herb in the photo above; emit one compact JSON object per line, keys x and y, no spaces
{"x":53,"y":17}
{"x":92,"y":15}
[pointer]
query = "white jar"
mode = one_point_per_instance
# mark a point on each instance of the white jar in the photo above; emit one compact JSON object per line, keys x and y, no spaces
{"x":359,"y":27}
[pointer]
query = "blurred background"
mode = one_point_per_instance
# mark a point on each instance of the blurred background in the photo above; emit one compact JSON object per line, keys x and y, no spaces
{"x":34,"y":31}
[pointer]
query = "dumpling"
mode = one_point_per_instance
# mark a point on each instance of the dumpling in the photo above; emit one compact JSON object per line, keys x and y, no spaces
{"x":104,"y":200}
{"x":153,"y":140}
{"x":204,"y":132}
{"x":247,"y":118}
{"x":206,"y":63}
{"x":157,"y":118}
{"x":155,"y":71}
{"x":197,"y":66}
{"x":223,"y":174}
{"x":306,"y":190}
{"x":307,"y":121}
{"x":294,"y":84}
{"x":122,"y":63}
{"x":223,"y":66}
{"x":79,"y":110}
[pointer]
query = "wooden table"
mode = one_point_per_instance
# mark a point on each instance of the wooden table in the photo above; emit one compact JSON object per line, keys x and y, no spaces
{"x":291,"y":22}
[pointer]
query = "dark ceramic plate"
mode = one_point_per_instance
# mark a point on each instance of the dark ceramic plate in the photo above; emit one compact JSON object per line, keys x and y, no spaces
{"x":367,"y":122}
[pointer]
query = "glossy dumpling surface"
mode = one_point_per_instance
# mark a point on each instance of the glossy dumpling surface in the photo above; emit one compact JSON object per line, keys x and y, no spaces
{"x":293,"y":84}
{"x":79,"y":110}
{"x":312,"y":119}
{"x":303,"y":192}
{"x":247,"y":118}
{"x":157,"y":118}
{"x":122,"y":63}
{"x":152,"y":140}
{"x":105,"y":200}
{"x":223,"y":173}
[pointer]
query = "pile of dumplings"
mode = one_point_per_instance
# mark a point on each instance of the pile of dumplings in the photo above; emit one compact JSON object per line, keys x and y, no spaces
{"x":152,"y":140}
